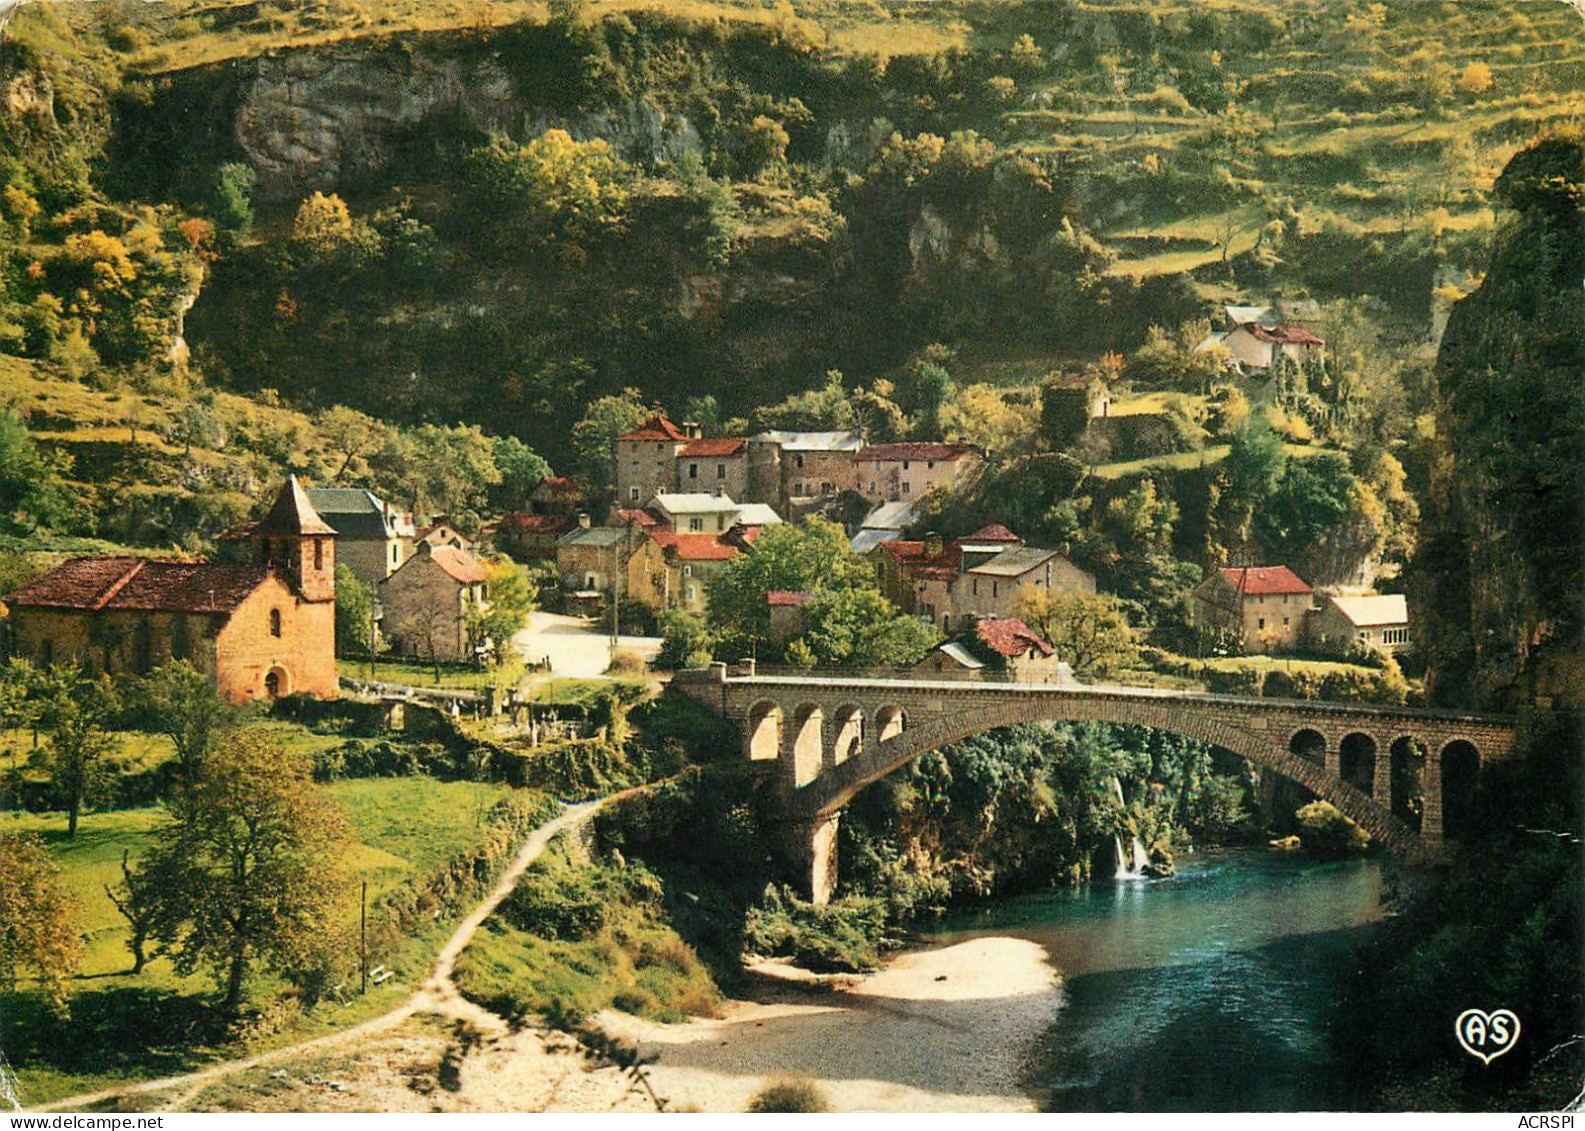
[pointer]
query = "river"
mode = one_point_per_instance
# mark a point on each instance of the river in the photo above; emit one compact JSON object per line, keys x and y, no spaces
{"x":1210,"y":990}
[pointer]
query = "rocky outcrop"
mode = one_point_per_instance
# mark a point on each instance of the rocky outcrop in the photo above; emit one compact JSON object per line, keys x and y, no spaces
{"x":316,"y":118}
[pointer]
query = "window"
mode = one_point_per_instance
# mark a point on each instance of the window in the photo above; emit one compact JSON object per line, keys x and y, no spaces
{"x":588,"y":582}
{"x":693,"y":593}
{"x":1395,"y":636}
{"x":872,"y":486}
{"x":905,"y":465}
{"x":632,"y":494}
{"x":275,"y":622}
{"x":1284,"y":622}
{"x":687,"y":571}
{"x":877,"y":465}
{"x":720,"y":471}
{"x":906,"y":486}
{"x":1366,"y":636}
{"x":930,"y":465}
{"x":825,"y":488}
{"x":1261,"y":623}
{"x":798,"y":461}
{"x":696,"y":524}
{"x":396,"y":555}
{"x":996,"y":589}
{"x":693,"y":471}
{"x":975,"y":585}
{"x":319,"y":553}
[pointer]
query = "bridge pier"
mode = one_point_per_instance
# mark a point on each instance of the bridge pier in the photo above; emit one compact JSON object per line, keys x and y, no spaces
{"x":814,"y":851}
{"x":1431,"y":801}
{"x":1381,"y":779}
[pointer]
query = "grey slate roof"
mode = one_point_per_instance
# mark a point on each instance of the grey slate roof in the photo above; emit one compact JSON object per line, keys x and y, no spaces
{"x":1014,"y":563}
{"x":601,"y":537}
{"x":357,"y":514}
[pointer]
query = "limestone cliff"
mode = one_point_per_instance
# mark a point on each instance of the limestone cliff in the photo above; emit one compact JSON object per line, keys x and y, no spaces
{"x":1497,"y":581}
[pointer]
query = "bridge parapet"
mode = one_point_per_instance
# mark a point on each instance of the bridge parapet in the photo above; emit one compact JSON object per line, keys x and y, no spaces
{"x":826,"y":736}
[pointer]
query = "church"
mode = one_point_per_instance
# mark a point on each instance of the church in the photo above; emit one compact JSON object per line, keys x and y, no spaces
{"x":262,"y":628}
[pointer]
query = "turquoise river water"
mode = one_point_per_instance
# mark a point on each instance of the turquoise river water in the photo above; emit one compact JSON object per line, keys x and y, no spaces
{"x":1210,"y":990}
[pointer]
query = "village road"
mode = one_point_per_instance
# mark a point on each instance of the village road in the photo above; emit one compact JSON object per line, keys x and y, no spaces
{"x":577,"y":647}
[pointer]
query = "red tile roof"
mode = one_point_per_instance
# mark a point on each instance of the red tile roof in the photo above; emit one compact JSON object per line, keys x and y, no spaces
{"x":726,"y":446}
{"x":637,"y":516}
{"x":1281,"y":332}
{"x":786,"y":598}
{"x":1010,"y":637}
{"x":995,"y":532}
{"x":915,"y":450}
{"x":1265,"y":580}
{"x":523,"y":523}
{"x":656,"y":427}
{"x":913,"y":557}
{"x":694,"y":547}
{"x":557,"y":485}
{"x":459,"y":565}
{"x":92,"y":584}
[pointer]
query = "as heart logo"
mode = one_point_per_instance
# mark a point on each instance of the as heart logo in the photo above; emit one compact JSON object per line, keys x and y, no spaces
{"x":1487,"y":1035}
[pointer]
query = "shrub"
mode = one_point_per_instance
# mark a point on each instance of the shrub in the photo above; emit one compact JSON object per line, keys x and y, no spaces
{"x":789,"y":1096}
{"x":843,"y":935}
{"x":1326,"y":832}
{"x":1235,"y":681}
{"x":625,"y":661}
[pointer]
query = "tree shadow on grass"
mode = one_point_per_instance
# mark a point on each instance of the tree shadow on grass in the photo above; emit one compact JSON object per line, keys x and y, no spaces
{"x":126,"y":1030}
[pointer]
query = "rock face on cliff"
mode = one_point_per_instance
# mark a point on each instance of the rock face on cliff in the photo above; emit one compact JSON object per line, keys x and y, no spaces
{"x":1499,"y":576}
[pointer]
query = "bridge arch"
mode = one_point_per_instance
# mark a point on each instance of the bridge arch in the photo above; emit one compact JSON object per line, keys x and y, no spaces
{"x":889,"y":723}
{"x":807,"y":747}
{"x":847,"y":732}
{"x":1406,"y":758}
{"x":1357,"y":761}
{"x":1460,"y":781}
{"x":762,"y":731}
{"x":1309,"y":744}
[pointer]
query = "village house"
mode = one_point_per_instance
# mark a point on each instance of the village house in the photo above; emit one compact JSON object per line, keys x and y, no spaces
{"x":1256,"y":345}
{"x":589,"y":558}
{"x":798,"y":472}
{"x":996,"y":585}
{"x":646,"y":459}
{"x":373,"y":538}
{"x":1002,"y":648}
{"x":885,"y":523}
{"x":442,"y":532}
{"x":714,"y":467}
{"x":892,"y":472}
{"x":428,"y":601}
{"x":695,"y":513}
{"x":1373,"y":620}
{"x":528,"y":537}
{"x":260,"y":629}
{"x":690,"y":563}
{"x":1263,"y":608}
{"x":786,"y":607}
{"x":986,"y":573}
{"x":555,"y":494}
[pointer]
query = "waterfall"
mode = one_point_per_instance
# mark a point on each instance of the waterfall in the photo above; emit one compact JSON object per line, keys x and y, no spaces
{"x":1130,"y":864}
{"x":1141,"y":858}
{"x":1117,"y":788}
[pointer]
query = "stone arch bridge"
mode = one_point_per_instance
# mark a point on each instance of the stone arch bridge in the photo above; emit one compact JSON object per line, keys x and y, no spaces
{"x":826,"y":735}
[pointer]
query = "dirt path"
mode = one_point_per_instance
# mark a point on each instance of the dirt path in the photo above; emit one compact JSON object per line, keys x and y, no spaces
{"x":438,"y":994}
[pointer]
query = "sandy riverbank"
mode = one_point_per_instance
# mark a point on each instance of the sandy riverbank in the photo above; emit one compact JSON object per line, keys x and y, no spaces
{"x":938,"y":1030}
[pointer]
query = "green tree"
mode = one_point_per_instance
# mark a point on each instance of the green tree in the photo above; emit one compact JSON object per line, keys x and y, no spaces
{"x":187,"y":708}
{"x":859,"y":627}
{"x":1312,"y":498}
{"x":828,"y":408}
{"x":522,"y":469}
{"x":554,"y":187}
{"x":233,"y":203}
{"x":511,"y":600}
{"x":354,"y":614}
{"x":685,"y":640}
{"x":1088,"y":631}
{"x":38,"y":931}
{"x":351,"y":438}
{"x":813,"y":555}
{"x":250,"y":864}
{"x":594,"y":435}
{"x":74,"y":711}
{"x":32,"y":496}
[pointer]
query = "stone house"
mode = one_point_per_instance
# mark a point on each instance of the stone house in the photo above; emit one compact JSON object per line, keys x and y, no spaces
{"x":529,"y":537}
{"x":907,"y":471}
{"x":997,"y":648}
{"x":1375,"y":620}
{"x":441,"y":532}
{"x":690,"y":562}
{"x":646,"y":459}
{"x":995,"y":585}
{"x":786,"y":614}
{"x":696,"y":513}
{"x":260,"y":629}
{"x":1264,"y":608}
{"x":555,"y":494}
{"x":1258,"y":345}
{"x":589,"y":558}
{"x":798,"y":472}
{"x":713,"y":467}
{"x":428,"y":600}
{"x":373,"y":538}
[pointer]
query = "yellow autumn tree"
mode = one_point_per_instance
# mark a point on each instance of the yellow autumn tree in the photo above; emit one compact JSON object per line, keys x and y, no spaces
{"x":323,"y":226}
{"x":1475,"y":78}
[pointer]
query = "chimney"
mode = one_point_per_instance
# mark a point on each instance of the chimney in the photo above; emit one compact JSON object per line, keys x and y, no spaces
{"x":583,"y":520}
{"x":692,"y":429}
{"x":933,"y":546}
